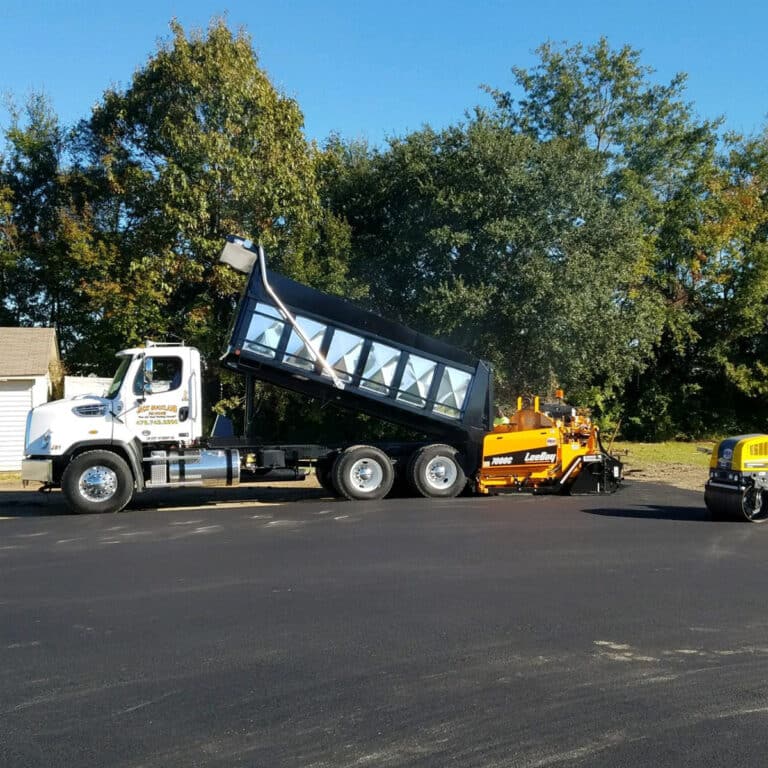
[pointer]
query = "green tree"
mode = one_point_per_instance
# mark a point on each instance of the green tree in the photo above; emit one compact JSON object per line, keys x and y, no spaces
{"x":735,"y":238}
{"x":8,"y":253}
{"x":726,"y":369}
{"x":40,"y":283}
{"x":507,"y":245}
{"x":661,"y":163}
{"x":200,"y":145}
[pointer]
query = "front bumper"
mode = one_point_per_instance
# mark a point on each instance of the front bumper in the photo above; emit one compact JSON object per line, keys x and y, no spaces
{"x":37,"y":470}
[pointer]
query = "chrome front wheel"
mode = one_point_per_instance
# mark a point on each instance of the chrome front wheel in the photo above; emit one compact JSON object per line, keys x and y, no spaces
{"x":97,"y":481}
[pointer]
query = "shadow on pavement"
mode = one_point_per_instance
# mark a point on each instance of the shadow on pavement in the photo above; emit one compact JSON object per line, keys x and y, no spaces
{"x":655,"y":512}
{"x":30,"y":503}
{"x":197,"y":497}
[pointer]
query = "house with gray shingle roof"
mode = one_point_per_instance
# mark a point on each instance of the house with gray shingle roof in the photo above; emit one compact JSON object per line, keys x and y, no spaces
{"x":30,"y":368}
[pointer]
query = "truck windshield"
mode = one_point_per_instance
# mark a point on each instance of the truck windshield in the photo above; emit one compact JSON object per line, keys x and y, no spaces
{"x":117,"y":381}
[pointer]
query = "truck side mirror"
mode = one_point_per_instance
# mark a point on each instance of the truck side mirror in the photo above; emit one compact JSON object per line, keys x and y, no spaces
{"x":148,"y":372}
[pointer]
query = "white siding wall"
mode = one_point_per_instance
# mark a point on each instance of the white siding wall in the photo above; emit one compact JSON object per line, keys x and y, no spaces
{"x":41,"y":391}
{"x":15,"y":402}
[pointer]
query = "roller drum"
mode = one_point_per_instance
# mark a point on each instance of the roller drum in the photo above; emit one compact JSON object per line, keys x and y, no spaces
{"x":749,"y":504}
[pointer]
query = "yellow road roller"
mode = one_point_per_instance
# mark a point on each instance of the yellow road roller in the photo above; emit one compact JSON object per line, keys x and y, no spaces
{"x":737,"y":488}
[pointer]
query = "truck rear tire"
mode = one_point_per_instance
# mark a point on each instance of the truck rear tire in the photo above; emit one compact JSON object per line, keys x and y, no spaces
{"x":435,"y":472}
{"x":97,"y":482}
{"x":324,"y":474}
{"x":363,"y":472}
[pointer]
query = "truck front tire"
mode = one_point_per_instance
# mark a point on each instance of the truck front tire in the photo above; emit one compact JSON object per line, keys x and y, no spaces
{"x":97,"y":482}
{"x":363,"y":472}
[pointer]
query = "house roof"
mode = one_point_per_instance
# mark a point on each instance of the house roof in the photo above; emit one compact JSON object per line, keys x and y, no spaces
{"x":27,"y":351}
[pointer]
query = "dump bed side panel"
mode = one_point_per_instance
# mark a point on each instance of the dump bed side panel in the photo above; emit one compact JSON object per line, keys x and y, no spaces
{"x":386,"y":369}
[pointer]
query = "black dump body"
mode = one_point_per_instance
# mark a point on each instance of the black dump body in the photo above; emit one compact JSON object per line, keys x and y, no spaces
{"x":387,"y":370}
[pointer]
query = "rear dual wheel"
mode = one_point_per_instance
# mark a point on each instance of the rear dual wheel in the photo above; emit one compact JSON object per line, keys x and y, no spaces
{"x":435,"y":471}
{"x":362,"y":472}
{"x":324,"y":474}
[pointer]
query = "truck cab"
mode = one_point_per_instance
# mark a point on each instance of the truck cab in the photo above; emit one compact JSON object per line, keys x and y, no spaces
{"x":154,"y":398}
{"x":151,"y":407}
{"x":156,"y":395}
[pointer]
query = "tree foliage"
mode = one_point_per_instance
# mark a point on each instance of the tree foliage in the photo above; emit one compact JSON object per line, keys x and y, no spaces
{"x":663,"y":165}
{"x":506,"y":245}
{"x":200,"y":145}
{"x":586,"y":229}
{"x":40,"y":282}
{"x":714,"y":377}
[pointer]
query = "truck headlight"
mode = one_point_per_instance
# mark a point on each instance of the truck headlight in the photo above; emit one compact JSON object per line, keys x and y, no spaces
{"x":27,"y":431}
{"x":92,"y":409}
{"x":45,"y":439}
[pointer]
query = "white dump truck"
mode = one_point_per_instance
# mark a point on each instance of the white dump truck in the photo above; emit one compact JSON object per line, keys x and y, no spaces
{"x":146,"y":430}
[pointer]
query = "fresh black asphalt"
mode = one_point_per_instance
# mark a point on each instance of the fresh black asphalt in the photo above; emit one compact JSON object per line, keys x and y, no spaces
{"x":626,"y":630}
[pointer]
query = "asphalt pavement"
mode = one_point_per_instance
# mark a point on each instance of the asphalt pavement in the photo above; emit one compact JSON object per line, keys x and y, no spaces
{"x":626,"y":630}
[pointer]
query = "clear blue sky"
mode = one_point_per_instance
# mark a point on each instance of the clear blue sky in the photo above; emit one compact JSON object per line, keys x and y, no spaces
{"x":371,"y":70}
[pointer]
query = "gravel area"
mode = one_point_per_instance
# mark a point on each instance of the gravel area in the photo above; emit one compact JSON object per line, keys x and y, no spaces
{"x":678,"y":475}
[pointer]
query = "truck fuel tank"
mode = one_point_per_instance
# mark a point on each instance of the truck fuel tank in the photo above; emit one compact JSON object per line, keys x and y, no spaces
{"x":206,"y":468}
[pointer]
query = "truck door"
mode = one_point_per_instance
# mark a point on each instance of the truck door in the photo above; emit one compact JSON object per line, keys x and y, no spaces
{"x":161,"y":410}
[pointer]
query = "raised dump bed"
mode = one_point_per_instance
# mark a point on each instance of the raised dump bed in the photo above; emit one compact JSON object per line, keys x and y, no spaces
{"x":326,"y":347}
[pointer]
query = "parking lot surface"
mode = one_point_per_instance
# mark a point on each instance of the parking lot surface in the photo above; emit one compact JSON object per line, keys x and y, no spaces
{"x":626,"y":630}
